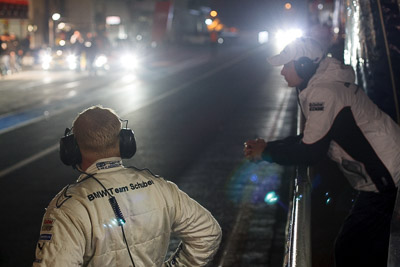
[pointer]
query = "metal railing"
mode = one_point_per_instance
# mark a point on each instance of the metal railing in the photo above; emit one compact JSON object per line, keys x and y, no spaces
{"x":299,"y":236}
{"x":298,"y":250}
{"x":394,"y":243}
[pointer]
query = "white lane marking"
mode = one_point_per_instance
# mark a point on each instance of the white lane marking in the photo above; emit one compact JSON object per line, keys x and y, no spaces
{"x":279,"y":116}
{"x":124,"y":113}
{"x":28,"y":160}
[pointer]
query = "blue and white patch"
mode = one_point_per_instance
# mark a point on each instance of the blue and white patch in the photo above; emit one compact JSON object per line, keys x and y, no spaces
{"x":108,"y":164}
{"x":45,"y":237}
{"x":316,"y":106}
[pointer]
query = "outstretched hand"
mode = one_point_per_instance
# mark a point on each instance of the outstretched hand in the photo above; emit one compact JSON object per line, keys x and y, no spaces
{"x":253,"y":149}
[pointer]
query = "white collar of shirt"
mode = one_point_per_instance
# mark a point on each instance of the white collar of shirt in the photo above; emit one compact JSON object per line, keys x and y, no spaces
{"x":103,"y":165}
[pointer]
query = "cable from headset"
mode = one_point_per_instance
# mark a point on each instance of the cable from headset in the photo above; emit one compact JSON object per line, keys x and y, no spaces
{"x":117,"y":211}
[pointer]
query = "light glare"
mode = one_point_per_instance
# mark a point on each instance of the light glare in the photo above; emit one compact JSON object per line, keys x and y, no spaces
{"x":271,"y":198}
{"x":283,"y":38}
{"x":263,"y":37}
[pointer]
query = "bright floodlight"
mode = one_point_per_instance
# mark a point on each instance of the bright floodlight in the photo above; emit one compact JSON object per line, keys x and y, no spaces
{"x":209,"y":21}
{"x":129,"y":61}
{"x":285,"y":37}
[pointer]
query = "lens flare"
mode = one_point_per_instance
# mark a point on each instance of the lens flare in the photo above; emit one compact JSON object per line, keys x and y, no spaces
{"x":271,"y":198}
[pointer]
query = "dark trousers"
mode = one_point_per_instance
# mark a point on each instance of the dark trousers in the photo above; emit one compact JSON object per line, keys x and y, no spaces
{"x":364,"y":237}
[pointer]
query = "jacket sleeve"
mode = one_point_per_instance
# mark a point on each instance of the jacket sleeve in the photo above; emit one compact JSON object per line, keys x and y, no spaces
{"x":61,"y":241}
{"x":198,"y":230}
{"x":322,"y":108}
{"x":293,"y":150}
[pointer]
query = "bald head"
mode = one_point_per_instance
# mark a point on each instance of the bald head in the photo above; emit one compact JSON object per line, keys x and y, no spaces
{"x":96,"y":130}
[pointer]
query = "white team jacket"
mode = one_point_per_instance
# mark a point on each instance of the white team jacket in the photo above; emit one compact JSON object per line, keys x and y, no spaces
{"x":328,"y":92}
{"x":79,"y":227}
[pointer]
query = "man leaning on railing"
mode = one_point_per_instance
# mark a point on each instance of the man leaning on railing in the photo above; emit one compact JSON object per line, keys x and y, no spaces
{"x":344,"y":123}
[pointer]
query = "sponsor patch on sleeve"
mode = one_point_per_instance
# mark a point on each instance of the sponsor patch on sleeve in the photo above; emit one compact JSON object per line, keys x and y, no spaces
{"x":45,"y":237}
{"x":316,"y":106}
{"x":47,"y":224}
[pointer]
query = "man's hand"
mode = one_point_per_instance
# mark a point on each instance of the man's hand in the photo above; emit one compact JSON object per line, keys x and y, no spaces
{"x":253,"y":149}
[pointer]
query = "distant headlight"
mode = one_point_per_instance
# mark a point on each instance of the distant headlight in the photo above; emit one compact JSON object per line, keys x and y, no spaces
{"x":71,"y":61}
{"x":100,"y":61}
{"x":285,"y":37}
{"x":129,"y":61}
{"x":46,"y":60}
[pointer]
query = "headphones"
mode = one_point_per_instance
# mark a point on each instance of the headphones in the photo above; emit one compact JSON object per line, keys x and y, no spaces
{"x":305,"y":68}
{"x":70,"y":154}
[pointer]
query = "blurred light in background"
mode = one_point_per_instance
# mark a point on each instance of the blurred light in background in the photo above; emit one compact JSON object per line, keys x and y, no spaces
{"x":271,"y":198}
{"x":285,"y":37}
{"x":208,"y":21}
{"x":263,"y":37}
{"x":113,"y":20}
{"x":61,"y":25}
{"x":288,"y":6}
{"x":100,"y":61}
{"x":32,"y":28}
{"x":254,"y":178}
{"x":213,"y":13}
{"x":72,"y":62}
{"x":56,"y":16}
{"x":46,"y":60}
{"x":336,"y":30}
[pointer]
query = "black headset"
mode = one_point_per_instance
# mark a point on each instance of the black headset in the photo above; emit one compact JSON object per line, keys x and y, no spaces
{"x":70,"y":154}
{"x":305,"y":68}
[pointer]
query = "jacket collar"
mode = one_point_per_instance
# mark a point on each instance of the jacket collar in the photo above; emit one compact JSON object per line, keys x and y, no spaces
{"x":102,"y":166}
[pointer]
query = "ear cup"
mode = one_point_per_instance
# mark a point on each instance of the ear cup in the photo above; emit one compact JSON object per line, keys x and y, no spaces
{"x":305,"y":68}
{"x":70,"y":154}
{"x":127,"y":143}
